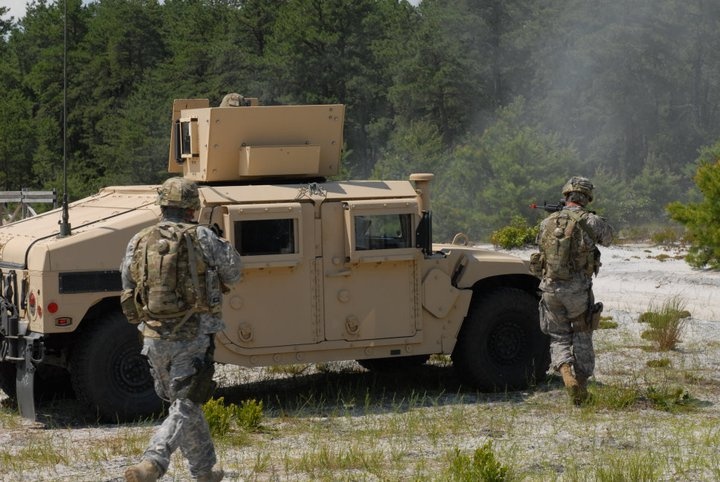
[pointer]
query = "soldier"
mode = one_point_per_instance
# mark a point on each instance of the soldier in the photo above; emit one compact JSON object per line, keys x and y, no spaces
{"x":569,"y":257}
{"x":173,"y":274}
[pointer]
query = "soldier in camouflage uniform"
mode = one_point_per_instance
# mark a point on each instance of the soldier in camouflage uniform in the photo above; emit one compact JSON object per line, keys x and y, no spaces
{"x":568,"y":311}
{"x":180,"y":351}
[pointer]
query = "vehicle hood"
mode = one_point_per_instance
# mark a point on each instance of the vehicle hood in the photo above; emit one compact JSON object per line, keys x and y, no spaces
{"x":114,"y":214}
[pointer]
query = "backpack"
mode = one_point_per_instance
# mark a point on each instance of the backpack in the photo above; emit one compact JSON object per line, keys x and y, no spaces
{"x":169,"y":272}
{"x":563,"y":249}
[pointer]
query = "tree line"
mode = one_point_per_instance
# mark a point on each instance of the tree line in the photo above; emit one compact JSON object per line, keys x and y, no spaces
{"x":502,"y":99}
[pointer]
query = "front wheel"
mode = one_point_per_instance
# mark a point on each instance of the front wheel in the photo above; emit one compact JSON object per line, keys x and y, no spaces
{"x":108,"y":372}
{"x":500,"y":345}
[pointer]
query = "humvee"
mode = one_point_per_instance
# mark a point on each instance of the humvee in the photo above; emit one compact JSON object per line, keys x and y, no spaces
{"x":332,"y":270}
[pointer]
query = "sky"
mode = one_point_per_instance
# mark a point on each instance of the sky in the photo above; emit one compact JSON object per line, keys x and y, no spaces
{"x":17,"y":8}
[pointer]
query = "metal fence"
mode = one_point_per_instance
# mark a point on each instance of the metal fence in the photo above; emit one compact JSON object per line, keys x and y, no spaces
{"x":22,"y":201}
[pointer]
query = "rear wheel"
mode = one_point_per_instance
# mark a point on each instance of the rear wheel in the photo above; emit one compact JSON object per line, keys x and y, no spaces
{"x":108,"y":372}
{"x":393,"y":364}
{"x":500,"y":345}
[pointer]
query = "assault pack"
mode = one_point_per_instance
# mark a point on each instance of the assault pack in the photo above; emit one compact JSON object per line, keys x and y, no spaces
{"x":563,"y":250}
{"x":169,"y":273}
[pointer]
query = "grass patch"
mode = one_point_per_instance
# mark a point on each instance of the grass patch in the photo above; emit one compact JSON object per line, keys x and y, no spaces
{"x":672,"y":399}
{"x":231,"y":420}
{"x":482,"y":466}
{"x":666,"y":324}
{"x":660,"y":363}
{"x":607,"y":323}
{"x":635,"y":467}
{"x":322,"y":462}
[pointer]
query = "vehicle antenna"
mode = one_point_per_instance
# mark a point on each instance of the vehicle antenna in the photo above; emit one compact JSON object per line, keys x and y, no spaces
{"x":65,"y":222}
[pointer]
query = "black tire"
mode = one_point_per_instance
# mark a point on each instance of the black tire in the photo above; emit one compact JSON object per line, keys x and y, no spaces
{"x":108,"y":372}
{"x":500,"y":345}
{"x":393,"y":364}
{"x":7,"y":379}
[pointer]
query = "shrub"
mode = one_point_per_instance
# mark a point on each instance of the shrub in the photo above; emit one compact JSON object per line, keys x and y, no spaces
{"x":517,"y":235}
{"x":221,"y":417}
{"x":250,"y":415}
{"x":666,"y":324}
{"x":218,"y":415}
{"x":482,"y":467}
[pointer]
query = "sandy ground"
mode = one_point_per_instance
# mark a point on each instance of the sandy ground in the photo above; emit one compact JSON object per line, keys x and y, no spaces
{"x":633,"y":279}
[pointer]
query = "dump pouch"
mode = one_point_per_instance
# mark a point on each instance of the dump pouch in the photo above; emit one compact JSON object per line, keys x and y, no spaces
{"x":129,"y":307}
{"x":537,"y":264}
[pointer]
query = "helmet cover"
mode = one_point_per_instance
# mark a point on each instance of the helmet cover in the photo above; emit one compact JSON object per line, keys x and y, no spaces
{"x":579,"y":184}
{"x":179,"y":192}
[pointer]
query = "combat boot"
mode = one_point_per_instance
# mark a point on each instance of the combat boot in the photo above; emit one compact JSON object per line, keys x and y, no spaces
{"x":145,"y":471}
{"x":215,"y":475}
{"x":582,"y":393}
{"x":571,"y":384}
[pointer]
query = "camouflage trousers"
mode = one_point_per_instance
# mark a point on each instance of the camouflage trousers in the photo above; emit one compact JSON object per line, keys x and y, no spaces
{"x":558,"y":310}
{"x":173,"y":365}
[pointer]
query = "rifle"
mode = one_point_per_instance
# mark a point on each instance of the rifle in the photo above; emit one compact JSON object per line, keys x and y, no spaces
{"x":551,"y":208}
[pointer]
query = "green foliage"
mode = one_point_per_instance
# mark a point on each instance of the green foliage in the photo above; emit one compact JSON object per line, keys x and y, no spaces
{"x":223,"y":419}
{"x":670,"y":399}
{"x":661,"y":363}
{"x":665,"y":398}
{"x":702,"y":219}
{"x":667,"y":236}
{"x":501,"y":100}
{"x":607,"y":323}
{"x":517,"y":235}
{"x":483,"y":466}
{"x":638,"y":468}
{"x":498,"y":174}
{"x":219,"y":416}
{"x":250,"y":415}
{"x":666,"y":324}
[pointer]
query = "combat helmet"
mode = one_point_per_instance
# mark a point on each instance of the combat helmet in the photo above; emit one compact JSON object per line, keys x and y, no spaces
{"x":579,"y":184}
{"x":179,"y":192}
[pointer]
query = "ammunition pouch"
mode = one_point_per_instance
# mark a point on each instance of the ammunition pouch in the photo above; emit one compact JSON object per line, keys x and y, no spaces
{"x":537,"y":264}
{"x":213,"y":290}
{"x":202,"y":385}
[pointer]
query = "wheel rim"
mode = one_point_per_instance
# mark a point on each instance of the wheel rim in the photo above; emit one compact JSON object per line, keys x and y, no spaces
{"x":132,"y":371}
{"x":506,"y":343}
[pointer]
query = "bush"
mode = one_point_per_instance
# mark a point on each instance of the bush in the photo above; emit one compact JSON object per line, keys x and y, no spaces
{"x":517,"y":235}
{"x":218,"y":415}
{"x":250,"y":415}
{"x":221,"y":417}
{"x":483,"y":466}
{"x":666,"y":324}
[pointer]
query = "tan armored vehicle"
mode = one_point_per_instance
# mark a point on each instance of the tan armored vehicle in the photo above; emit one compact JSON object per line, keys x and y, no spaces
{"x":332,"y":270}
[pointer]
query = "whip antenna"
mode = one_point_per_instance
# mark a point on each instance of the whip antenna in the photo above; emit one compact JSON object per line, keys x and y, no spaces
{"x":64,"y":223}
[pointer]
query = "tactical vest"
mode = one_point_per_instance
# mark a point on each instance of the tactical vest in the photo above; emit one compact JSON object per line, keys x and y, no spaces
{"x":563,"y":246}
{"x":169,"y":272}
